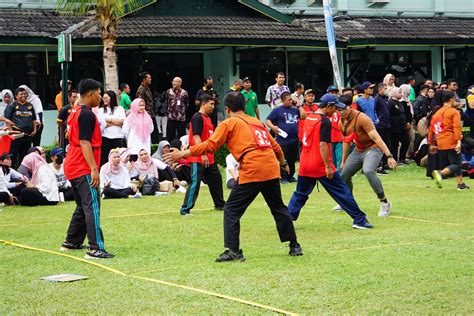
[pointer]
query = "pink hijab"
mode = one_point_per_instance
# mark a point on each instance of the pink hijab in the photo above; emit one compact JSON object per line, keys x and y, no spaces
{"x":110,"y":168}
{"x":147,"y":167}
{"x":141,"y":123}
{"x":33,"y":162}
{"x":124,"y":153}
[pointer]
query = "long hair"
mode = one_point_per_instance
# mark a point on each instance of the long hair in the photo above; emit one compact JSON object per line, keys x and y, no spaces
{"x":113,"y":102}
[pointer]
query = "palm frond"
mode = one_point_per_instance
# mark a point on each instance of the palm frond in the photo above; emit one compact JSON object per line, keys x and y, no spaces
{"x":116,"y":8}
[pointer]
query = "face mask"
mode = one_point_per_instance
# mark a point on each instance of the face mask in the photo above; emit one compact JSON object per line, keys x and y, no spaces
{"x":59,"y":160}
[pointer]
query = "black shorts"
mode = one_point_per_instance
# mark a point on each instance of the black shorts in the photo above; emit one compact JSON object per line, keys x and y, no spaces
{"x":450,"y":159}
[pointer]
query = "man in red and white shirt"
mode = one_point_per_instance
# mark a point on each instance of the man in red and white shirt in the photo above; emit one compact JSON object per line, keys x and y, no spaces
{"x":81,"y":169}
{"x":316,"y":165}
{"x":200,"y":129}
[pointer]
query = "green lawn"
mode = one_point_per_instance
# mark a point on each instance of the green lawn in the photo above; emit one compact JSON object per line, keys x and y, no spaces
{"x":402,"y":266}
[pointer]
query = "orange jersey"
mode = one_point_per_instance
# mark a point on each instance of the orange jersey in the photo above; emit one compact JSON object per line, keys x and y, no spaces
{"x":250,"y":144}
{"x":445,"y":128}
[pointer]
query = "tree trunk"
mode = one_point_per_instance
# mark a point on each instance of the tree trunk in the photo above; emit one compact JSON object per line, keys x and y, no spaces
{"x":109,"y":30}
{"x":110,"y":65}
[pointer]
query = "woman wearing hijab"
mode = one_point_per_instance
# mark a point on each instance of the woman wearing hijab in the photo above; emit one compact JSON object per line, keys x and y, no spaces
{"x":137,"y":129}
{"x":398,"y":123}
{"x":115,"y":179}
{"x":114,"y":116}
{"x":148,"y":168}
{"x":43,"y":187}
{"x":389,"y":82}
{"x":7,"y":99}
{"x":38,"y":106}
{"x":409,"y":112}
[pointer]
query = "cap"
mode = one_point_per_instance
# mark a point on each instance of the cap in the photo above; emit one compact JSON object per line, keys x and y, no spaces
{"x":332,"y":88}
{"x":330,"y":98}
{"x":5,"y":156}
{"x":246,"y":79}
{"x":367,"y":84}
{"x":309,"y":91}
{"x":56,"y":152}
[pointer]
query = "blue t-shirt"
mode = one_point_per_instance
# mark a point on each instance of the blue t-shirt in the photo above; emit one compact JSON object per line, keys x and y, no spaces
{"x":368,"y":107}
{"x":287,"y":120}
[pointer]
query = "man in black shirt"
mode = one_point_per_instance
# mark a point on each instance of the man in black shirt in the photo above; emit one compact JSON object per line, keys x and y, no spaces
{"x":62,"y":118}
{"x":207,"y":88}
{"x":23,"y":116}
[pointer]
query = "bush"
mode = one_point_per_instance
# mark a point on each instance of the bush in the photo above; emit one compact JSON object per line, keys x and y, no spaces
{"x":220,"y":155}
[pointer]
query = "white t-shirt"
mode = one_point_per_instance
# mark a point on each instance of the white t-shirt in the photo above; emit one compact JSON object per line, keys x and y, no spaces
{"x":63,"y":183}
{"x":232,"y":164}
{"x":116,"y":181}
{"x":47,"y":183}
{"x":112,"y":132}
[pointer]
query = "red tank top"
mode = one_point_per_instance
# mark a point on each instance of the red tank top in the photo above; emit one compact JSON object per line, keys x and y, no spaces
{"x":207,"y":130}
{"x":75,"y":165}
{"x":311,"y":162}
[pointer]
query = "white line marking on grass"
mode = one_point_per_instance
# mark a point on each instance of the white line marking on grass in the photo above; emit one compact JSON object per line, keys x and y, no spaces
{"x":425,"y":220}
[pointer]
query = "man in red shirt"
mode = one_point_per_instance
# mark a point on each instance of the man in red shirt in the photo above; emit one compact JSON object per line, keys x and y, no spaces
{"x":309,"y":106}
{"x":200,"y":129}
{"x":81,"y":169}
{"x":316,"y":165}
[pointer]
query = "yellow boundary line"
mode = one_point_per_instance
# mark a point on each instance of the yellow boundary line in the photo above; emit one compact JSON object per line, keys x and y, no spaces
{"x":185,"y":287}
{"x":425,"y":221}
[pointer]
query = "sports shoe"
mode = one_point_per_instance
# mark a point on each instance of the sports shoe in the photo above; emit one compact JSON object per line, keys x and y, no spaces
{"x":363,"y":225}
{"x":98,"y":254}
{"x":181,"y":189}
{"x":463,"y":186}
{"x":183,"y":183}
{"x":292,"y":179}
{"x":382,"y":171}
{"x":284,"y":181}
{"x":218,"y":208}
{"x":385,"y":208}
{"x":230,"y":255}
{"x":184,"y":212}
{"x":137,"y":195}
{"x":296,"y":250}
{"x":337,"y":208}
{"x":438,"y":177}
{"x":65,"y":246}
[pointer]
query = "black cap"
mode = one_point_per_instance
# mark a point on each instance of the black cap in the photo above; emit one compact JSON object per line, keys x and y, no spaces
{"x":5,"y":156}
{"x":246,"y":79}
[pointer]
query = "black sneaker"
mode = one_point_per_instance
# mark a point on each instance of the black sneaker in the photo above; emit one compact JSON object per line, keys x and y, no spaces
{"x":65,"y":246}
{"x":292,"y":180}
{"x":230,"y":255}
{"x":363,"y":225}
{"x":382,"y":171}
{"x":98,"y":254}
{"x":296,"y":250}
{"x":218,"y":208}
{"x":463,"y":186}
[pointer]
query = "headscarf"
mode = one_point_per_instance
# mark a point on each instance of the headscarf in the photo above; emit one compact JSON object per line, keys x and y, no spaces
{"x":33,"y":162}
{"x":10,"y":93}
{"x":406,"y":91}
{"x":146,"y":167}
{"x":159,"y":152}
{"x":388,"y":87}
{"x":34,"y":100}
{"x":110,"y":167}
{"x":392,"y":94}
{"x":140,"y":123}
{"x":124,"y":153}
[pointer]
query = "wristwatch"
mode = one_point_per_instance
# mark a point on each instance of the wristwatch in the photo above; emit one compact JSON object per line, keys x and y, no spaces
{"x":284,"y":164}
{"x":390,"y":156}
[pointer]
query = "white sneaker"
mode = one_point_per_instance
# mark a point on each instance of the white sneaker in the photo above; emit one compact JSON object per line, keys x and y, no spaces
{"x":385,"y":208}
{"x":159,"y":193}
{"x":183,"y":183}
{"x":337,"y":208}
{"x":181,"y":189}
{"x":137,"y":195}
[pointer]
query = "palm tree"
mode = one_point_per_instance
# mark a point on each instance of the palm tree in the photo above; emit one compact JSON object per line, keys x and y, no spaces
{"x":107,"y":14}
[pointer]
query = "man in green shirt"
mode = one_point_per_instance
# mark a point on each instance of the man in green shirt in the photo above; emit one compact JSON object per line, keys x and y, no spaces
{"x":125,"y":100}
{"x":251,"y":103}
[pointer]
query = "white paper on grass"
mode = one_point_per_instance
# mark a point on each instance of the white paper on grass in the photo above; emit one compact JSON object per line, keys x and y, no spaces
{"x":64,"y":278}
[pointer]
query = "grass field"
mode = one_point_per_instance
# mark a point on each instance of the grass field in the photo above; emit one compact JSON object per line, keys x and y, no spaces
{"x":417,"y":261}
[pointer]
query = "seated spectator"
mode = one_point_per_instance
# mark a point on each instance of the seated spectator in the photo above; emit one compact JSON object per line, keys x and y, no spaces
{"x":43,"y":187}
{"x":14,"y":181}
{"x":23,"y":169}
{"x":183,"y":168}
{"x":5,"y":196}
{"x":147,"y":169}
{"x":115,"y":179}
{"x":180,"y":169}
{"x":231,"y":172}
{"x":64,"y":186}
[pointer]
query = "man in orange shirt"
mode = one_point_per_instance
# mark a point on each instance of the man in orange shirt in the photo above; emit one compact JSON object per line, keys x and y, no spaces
{"x":444,"y":137}
{"x":59,"y":97}
{"x":260,"y":157}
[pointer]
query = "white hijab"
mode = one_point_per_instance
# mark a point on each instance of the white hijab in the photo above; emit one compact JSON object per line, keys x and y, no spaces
{"x":34,"y":100}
